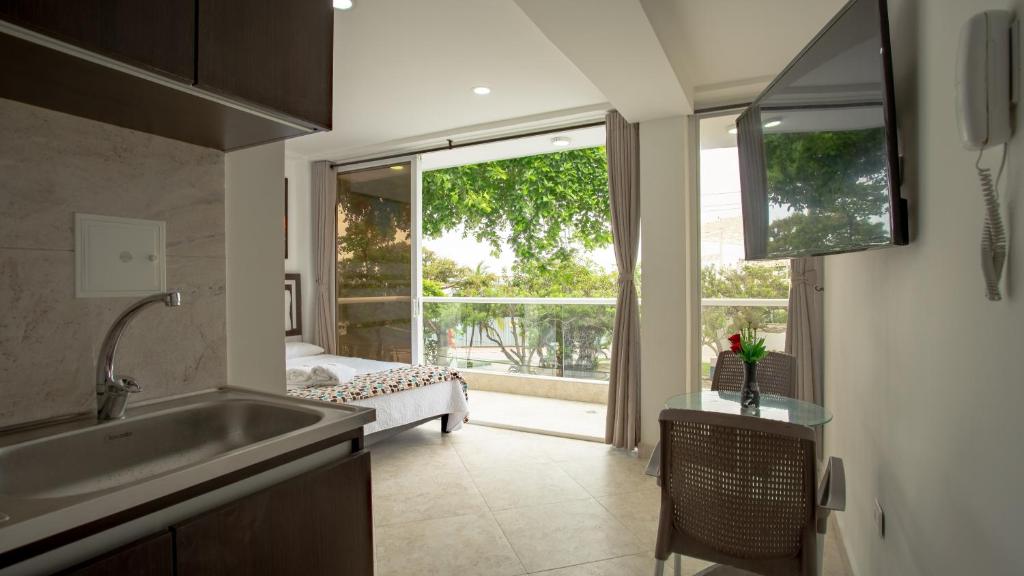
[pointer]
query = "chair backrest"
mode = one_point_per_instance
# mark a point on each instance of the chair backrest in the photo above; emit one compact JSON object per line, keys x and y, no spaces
{"x":738,"y":490}
{"x":776,"y":374}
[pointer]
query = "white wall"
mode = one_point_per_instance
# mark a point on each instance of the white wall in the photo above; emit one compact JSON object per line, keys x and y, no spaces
{"x":300,"y":234}
{"x":254,"y":211}
{"x":667,"y":322}
{"x":922,"y":373}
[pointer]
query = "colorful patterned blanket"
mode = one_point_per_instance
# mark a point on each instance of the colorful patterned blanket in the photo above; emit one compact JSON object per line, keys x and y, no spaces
{"x":365,"y":386}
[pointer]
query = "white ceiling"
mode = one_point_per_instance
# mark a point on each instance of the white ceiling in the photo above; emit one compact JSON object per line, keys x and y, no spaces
{"x":404,"y":69}
{"x":729,"y":50}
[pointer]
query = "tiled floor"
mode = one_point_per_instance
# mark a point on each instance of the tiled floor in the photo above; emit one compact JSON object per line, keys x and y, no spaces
{"x":561,"y":417}
{"x":486,"y":501}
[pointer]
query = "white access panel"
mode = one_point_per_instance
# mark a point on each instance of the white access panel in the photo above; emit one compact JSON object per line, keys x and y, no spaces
{"x":119,"y":256}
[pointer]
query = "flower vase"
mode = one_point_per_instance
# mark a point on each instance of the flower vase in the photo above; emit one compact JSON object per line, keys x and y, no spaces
{"x":750,"y":397}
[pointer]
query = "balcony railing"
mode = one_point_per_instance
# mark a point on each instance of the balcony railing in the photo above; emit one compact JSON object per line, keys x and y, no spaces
{"x":554,"y":337}
{"x":721,"y":317}
{"x":569,"y":337}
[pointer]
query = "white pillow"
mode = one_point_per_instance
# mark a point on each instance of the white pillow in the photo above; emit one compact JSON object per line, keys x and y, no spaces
{"x":301,"y":349}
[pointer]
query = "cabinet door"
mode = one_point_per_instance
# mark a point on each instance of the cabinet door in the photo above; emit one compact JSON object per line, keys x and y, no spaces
{"x":273,"y":54}
{"x":318,"y":523}
{"x":153,"y":556}
{"x":158,"y":35}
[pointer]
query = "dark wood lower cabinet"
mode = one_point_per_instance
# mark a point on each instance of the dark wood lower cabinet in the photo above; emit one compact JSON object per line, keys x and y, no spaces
{"x":152,"y":556}
{"x":315,"y":524}
{"x":318,"y":523}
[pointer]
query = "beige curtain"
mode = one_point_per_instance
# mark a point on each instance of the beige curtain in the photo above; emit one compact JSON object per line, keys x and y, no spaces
{"x":623,"y":148}
{"x":804,"y":329}
{"x":324,"y":198}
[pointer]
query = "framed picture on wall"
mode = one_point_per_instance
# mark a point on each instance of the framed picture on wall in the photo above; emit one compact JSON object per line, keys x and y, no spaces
{"x":292,"y":305}
{"x":286,"y":218}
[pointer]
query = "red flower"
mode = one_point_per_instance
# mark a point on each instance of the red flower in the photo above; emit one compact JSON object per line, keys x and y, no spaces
{"x":735,"y":341}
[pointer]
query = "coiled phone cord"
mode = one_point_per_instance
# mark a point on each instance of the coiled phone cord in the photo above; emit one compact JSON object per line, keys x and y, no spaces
{"x":993,"y":236}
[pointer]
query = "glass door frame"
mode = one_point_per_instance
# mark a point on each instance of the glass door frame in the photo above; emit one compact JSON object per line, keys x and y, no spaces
{"x":415,"y":233}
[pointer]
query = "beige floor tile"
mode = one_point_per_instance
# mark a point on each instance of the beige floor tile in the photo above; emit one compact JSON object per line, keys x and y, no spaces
{"x":388,"y":461}
{"x":488,"y":450}
{"x":564,"y":534}
{"x":506,"y":487}
{"x":639,"y":512}
{"x":636,"y":565}
{"x":564,"y":449}
{"x":463,"y":545}
{"x":617,"y":473}
{"x":407,"y":498}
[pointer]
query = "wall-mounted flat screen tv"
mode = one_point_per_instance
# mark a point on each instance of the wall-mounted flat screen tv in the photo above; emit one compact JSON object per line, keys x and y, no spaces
{"x":819,"y":159}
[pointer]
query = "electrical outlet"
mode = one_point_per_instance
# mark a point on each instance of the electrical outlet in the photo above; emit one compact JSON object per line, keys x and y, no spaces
{"x":879,"y":519}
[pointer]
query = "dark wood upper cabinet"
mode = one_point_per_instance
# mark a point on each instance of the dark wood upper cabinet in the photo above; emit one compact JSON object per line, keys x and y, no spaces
{"x":156,"y":35}
{"x":272,"y":54}
{"x":226,"y":74}
{"x":316,"y":524}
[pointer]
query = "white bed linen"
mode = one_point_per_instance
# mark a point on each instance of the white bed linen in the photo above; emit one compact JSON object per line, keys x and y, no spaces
{"x":399,"y":408}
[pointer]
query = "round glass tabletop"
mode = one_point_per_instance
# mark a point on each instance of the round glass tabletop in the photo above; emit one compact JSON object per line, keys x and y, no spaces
{"x":777,"y":408}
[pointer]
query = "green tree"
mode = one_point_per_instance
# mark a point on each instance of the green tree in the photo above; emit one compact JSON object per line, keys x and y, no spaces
{"x":748,"y":280}
{"x":835,"y":186}
{"x":545,"y":207}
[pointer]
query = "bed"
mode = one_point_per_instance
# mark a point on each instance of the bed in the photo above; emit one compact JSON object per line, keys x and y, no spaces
{"x":402,"y":395}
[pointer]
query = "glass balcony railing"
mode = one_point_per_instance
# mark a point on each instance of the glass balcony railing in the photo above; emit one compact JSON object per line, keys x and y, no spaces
{"x":721,"y":317}
{"x":570,"y":337}
{"x":552,"y":337}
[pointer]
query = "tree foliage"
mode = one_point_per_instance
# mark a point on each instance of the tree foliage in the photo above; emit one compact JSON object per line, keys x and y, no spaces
{"x":748,"y":280}
{"x":545,"y":207}
{"x":835,"y":186}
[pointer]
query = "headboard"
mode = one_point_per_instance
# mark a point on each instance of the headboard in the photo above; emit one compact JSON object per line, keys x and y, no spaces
{"x":292,"y":305}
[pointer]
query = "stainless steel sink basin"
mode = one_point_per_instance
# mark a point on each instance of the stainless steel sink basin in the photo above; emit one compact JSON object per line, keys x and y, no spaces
{"x":104,"y":457}
{"x":59,"y":476}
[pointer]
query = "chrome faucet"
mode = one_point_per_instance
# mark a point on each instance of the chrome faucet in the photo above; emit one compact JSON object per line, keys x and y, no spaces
{"x":112,"y":391}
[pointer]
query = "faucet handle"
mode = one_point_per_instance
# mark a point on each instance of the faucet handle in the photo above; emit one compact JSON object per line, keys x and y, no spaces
{"x":128,"y":384}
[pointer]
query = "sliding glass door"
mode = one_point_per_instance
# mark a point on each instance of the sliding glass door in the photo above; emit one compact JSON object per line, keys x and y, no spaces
{"x":377,"y":271}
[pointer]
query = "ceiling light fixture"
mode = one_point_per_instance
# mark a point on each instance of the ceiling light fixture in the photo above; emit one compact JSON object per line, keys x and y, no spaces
{"x":561,"y":141}
{"x":733,"y":130}
{"x":481,"y":90}
{"x":772,"y":123}
{"x":398,"y":167}
{"x":343,"y":4}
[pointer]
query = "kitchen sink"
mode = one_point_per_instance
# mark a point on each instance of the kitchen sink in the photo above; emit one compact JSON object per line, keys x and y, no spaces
{"x":104,"y":457}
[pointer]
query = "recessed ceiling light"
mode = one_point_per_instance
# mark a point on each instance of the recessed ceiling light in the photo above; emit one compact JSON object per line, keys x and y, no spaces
{"x":733,"y":130}
{"x":398,"y":167}
{"x":772,"y":123}
{"x":481,"y":90}
{"x":343,"y":4}
{"x":561,"y":141}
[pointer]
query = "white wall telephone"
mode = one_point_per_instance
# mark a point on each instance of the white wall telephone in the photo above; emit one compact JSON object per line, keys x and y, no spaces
{"x":986,"y":89}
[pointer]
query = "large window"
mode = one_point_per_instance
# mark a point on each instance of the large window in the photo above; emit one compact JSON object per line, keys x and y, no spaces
{"x":734,"y":293}
{"x":519,"y":273}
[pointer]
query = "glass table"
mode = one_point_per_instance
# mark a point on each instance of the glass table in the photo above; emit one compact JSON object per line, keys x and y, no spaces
{"x":779,"y":408}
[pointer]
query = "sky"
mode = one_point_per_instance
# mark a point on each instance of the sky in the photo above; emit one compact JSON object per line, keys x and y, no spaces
{"x":468,"y":252}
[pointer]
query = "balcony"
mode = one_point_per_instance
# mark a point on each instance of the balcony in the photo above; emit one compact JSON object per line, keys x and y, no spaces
{"x":721,"y":317}
{"x":554,"y":354}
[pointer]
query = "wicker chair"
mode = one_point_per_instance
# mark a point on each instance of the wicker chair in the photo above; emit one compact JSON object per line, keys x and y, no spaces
{"x":776,"y":374}
{"x":740,"y":491}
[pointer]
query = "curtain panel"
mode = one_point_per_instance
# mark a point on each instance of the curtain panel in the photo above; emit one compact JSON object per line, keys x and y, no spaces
{"x":805,"y":330}
{"x":623,"y":149}
{"x":324,"y":199}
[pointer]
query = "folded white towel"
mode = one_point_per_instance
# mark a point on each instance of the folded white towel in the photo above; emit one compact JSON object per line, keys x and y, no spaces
{"x":298,"y":378}
{"x":324,"y":376}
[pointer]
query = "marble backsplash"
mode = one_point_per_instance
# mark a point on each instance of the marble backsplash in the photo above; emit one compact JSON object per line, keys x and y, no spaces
{"x":53,"y":165}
